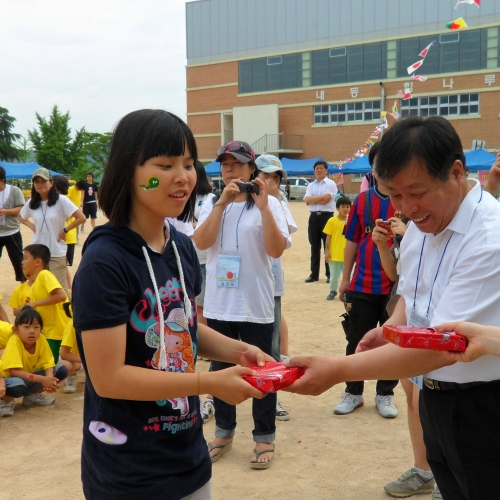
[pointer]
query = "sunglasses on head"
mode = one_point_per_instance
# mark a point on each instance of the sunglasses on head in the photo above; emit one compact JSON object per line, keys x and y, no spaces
{"x":235,"y":147}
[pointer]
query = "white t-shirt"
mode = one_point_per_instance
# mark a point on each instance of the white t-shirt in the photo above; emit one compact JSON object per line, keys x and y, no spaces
{"x":253,"y":300}
{"x":467,"y":287}
{"x":49,"y":222}
{"x":182,"y":227}
{"x":200,"y":199}
{"x":279,"y":277}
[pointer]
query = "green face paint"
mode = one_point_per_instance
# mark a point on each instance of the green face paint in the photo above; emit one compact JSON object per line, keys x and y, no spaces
{"x":153,"y":184}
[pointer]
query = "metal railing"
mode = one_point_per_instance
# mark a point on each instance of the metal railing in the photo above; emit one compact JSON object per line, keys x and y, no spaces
{"x":278,"y":143}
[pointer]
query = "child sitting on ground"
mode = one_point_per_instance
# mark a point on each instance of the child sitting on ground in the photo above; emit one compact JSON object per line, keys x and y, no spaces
{"x":335,"y":243}
{"x":46,"y":295}
{"x":28,"y":364}
{"x":69,"y":353}
{"x":20,"y":296}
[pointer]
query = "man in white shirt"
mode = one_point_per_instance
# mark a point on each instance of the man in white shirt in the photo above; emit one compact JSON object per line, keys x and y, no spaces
{"x":320,"y":197}
{"x":450,"y":259}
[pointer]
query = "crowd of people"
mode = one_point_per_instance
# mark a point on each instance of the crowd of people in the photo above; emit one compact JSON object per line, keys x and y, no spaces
{"x":179,"y":274}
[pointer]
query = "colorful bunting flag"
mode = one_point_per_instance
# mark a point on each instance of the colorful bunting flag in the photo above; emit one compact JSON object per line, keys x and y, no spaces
{"x":456,"y":24}
{"x":477,"y":3}
{"x":426,"y":50}
{"x":395,"y":107}
{"x":396,"y":116}
{"x":407,"y":96}
{"x":415,"y":66}
{"x":419,"y":78}
{"x":399,"y":92}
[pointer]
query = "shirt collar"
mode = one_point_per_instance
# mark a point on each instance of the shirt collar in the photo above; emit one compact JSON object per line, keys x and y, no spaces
{"x":461,"y":222}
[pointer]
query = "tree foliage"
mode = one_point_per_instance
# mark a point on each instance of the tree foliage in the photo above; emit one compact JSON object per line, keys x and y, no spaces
{"x":8,"y":151}
{"x":95,"y":153}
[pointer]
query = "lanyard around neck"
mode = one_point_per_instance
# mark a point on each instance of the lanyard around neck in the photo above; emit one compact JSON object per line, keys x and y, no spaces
{"x":237,"y":225}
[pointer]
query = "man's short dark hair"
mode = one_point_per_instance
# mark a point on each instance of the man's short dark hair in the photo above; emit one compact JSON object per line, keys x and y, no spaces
{"x":321,"y":162}
{"x":343,"y":200}
{"x":3,"y":174}
{"x":91,"y":174}
{"x":39,"y":252}
{"x":373,"y":152}
{"x":62,"y":184}
{"x":81,"y":185}
{"x":431,"y":141}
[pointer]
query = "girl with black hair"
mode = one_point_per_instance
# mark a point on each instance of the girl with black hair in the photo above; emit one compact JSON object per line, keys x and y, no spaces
{"x":137,"y":332}
{"x":49,"y":212}
{"x":243,"y":231}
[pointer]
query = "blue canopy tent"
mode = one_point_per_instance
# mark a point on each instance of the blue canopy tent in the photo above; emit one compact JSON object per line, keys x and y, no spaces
{"x":22,"y":170}
{"x":479,"y":159}
{"x":302,"y":167}
{"x":213,"y":169}
{"x":358,"y":166}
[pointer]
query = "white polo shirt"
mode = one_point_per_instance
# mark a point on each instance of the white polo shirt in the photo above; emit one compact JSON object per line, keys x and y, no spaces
{"x":467,"y":286}
{"x":318,"y":188}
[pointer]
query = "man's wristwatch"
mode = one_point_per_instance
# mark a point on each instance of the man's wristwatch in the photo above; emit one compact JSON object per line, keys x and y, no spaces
{"x":65,"y":230}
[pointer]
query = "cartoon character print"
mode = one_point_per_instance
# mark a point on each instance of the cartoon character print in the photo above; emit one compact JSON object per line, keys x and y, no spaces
{"x":179,"y":351}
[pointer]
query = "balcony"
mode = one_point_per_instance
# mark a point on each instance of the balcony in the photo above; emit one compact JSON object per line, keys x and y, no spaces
{"x":278,"y":144}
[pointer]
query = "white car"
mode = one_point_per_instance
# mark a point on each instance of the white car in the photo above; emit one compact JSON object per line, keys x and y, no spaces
{"x":298,"y":187}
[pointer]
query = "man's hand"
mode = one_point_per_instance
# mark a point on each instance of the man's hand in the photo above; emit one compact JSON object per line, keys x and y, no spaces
{"x":371,"y":340}
{"x":344,"y":286}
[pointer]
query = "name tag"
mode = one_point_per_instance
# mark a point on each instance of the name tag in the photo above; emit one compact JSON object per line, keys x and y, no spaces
{"x":228,"y":271}
{"x":2,"y":220}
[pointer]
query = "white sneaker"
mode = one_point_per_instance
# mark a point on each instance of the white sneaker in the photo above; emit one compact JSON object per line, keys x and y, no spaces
{"x":348,"y":404}
{"x":37,"y":399}
{"x":385,"y":406}
{"x":70,"y":384}
{"x":6,"y":408}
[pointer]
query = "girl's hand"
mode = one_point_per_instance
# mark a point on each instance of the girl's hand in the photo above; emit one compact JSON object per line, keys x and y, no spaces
{"x":229,"y":192}
{"x":262,"y":199}
{"x":50,"y":383}
{"x":380,"y":235}
{"x":252,"y":355}
{"x":230,"y":387}
{"x":398,"y":226}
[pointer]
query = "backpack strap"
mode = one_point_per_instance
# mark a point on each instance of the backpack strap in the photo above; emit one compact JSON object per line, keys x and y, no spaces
{"x":368,"y":212}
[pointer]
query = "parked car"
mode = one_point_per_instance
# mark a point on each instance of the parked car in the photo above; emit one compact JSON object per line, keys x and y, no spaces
{"x":298,"y":187}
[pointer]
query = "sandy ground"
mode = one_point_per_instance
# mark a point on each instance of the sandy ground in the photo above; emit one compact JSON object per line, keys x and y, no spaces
{"x":318,"y":455}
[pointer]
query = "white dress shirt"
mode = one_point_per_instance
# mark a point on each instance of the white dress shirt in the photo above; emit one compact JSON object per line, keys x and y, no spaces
{"x":318,"y":188}
{"x":467,"y":286}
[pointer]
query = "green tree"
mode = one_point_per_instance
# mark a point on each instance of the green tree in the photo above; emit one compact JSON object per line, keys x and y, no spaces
{"x":8,"y":151}
{"x":53,"y":145}
{"x":24,"y":149}
{"x":95,"y":155}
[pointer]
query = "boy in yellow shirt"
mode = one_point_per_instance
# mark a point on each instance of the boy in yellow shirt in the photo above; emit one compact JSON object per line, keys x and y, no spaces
{"x":335,"y":243}
{"x":28,"y":364}
{"x":46,"y":295}
{"x":20,"y":296}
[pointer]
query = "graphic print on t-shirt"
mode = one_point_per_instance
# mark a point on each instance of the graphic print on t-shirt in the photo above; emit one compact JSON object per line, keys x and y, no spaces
{"x":178,"y":347}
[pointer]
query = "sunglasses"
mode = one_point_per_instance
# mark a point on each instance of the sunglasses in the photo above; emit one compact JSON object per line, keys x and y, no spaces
{"x":236,"y":147}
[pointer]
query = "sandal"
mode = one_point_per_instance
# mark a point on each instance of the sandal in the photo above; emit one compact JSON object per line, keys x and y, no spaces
{"x":262,"y":465}
{"x":223,"y":450}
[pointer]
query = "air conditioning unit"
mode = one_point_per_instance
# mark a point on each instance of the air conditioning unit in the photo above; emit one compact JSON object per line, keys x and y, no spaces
{"x":477,"y":144}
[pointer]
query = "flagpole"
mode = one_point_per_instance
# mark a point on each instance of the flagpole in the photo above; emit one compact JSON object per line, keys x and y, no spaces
{"x":382,"y":106}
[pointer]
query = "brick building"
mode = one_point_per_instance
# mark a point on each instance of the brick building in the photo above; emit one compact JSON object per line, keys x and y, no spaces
{"x":306,"y":78}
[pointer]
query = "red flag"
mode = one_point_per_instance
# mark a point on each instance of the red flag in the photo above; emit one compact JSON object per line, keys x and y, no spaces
{"x":426,"y":50}
{"x":407,"y":96}
{"x":415,"y":66}
{"x":419,"y":78}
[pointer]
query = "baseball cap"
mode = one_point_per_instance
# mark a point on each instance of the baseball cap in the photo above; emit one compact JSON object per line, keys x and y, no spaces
{"x":42,"y":173}
{"x":239,"y":149}
{"x":270,"y":164}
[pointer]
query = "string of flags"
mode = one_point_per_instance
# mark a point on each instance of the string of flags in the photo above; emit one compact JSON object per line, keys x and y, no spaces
{"x":406,"y":94}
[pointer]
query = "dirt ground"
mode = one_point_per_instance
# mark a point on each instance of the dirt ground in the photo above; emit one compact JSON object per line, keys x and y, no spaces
{"x":318,"y":455}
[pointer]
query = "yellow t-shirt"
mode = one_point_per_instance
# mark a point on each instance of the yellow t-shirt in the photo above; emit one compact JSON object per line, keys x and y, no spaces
{"x":76,"y":197}
{"x":335,"y":228}
{"x":5,"y":333}
{"x":19,"y":295}
{"x":54,"y":318}
{"x":69,"y":338}
{"x":16,"y":356}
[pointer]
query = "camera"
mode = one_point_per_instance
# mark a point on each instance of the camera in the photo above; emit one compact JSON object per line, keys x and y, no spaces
{"x":386,"y":224}
{"x":249,"y":187}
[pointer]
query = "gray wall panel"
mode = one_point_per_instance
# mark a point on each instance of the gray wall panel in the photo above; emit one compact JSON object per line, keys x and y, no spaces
{"x":218,"y":30}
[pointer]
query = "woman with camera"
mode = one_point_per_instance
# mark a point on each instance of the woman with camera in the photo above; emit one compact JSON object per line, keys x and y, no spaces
{"x":243,"y":231}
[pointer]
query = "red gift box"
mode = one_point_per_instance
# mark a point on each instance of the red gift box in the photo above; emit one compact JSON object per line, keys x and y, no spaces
{"x":419,"y":337}
{"x":273,"y":376}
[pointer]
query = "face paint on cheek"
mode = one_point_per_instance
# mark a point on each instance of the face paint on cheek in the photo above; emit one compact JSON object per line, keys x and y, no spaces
{"x":153,"y":183}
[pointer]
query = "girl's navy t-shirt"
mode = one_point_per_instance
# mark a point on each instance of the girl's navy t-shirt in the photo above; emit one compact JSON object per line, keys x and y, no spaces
{"x":165,"y":454}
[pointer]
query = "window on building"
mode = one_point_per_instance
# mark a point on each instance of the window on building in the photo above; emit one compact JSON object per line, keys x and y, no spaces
{"x":347,"y":112}
{"x":447,"y":105}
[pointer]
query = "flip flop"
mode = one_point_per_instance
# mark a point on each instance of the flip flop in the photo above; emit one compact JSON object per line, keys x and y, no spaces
{"x":262,"y":465}
{"x":223,"y":450}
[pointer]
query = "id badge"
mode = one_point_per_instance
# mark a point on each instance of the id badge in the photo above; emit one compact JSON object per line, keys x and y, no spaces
{"x":2,"y":220}
{"x":417,"y":320}
{"x":274,"y":269}
{"x":228,"y":271}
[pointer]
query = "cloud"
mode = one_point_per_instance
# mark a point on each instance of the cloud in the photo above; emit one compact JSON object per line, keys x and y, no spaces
{"x":96,"y":59}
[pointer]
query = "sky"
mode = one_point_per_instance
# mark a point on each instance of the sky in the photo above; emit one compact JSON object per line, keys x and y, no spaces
{"x":97,"y":59}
